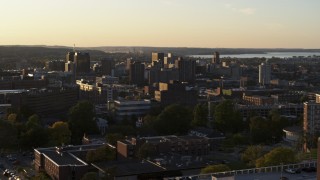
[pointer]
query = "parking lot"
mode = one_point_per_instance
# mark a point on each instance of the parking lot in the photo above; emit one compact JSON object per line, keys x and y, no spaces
{"x":11,"y":163}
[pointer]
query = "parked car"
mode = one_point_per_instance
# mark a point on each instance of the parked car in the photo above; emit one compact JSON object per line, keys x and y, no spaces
{"x":309,"y":169}
{"x":297,"y":170}
{"x":289,"y":170}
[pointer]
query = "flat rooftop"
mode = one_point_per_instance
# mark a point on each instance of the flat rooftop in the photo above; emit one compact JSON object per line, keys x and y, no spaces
{"x":63,"y":158}
{"x":130,"y":167}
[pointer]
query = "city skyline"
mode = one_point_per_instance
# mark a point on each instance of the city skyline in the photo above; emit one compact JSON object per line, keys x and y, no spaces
{"x":162,"y":23}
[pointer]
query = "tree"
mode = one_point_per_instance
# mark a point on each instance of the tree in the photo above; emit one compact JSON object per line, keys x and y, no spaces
{"x":200,"y":115}
{"x":226,"y":119}
{"x":277,"y":124}
{"x":103,"y":153}
{"x":277,"y":156}
{"x":8,"y":135}
{"x":124,"y":130}
{"x":41,"y":176}
{"x":259,"y":130}
{"x":215,"y":168}
{"x":12,"y":118}
{"x":112,"y":138}
{"x":34,"y":134}
{"x":59,"y":133}
{"x":90,"y":176}
{"x":174,"y":119}
{"x":81,"y":120}
{"x":33,"y":121}
{"x":251,"y":154}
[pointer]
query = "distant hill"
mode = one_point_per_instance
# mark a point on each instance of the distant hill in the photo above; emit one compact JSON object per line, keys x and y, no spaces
{"x":194,"y":51}
{"x":43,"y":53}
{"x":35,"y":52}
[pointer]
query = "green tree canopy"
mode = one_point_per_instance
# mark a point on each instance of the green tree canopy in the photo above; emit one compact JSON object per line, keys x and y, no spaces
{"x":251,"y":154}
{"x":8,"y":135}
{"x":90,"y":176}
{"x":215,"y":168}
{"x":112,"y":138}
{"x":13,"y":118}
{"x":124,"y":130}
{"x":34,"y":134}
{"x":59,"y":133}
{"x":276,"y":157}
{"x":226,"y":118}
{"x":259,"y":130}
{"x":34,"y":137}
{"x":33,"y":122}
{"x":173,"y":119}
{"x":277,"y":124}
{"x":200,"y":115}
{"x":81,"y":120}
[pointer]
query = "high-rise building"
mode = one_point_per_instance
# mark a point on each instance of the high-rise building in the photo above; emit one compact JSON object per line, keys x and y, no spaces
{"x":158,"y":59}
{"x":187,"y":70}
{"x":77,"y":62}
{"x":82,"y":62}
{"x":264,"y":73}
{"x":175,"y":92}
{"x":216,"y":58}
{"x":157,"y":56}
{"x":311,"y":120}
{"x":70,"y":56}
{"x":136,"y":73}
{"x":107,"y":67}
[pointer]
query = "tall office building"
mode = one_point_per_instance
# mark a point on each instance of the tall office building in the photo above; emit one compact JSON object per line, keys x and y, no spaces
{"x":311,"y":120}
{"x":136,"y":73}
{"x":82,"y":62}
{"x":157,"y":56}
{"x":216,"y":58}
{"x":264,"y":73}
{"x":187,"y":70}
{"x":77,"y":62}
{"x":70,"y":56}
{"x":158,"y":59}
{"x":107,"y":67}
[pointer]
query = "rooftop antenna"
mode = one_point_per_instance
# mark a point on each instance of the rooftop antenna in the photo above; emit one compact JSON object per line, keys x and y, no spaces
{"x":74,"y":47}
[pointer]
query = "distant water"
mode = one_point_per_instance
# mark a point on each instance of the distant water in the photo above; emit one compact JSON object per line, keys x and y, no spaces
{"x":266,"y":55}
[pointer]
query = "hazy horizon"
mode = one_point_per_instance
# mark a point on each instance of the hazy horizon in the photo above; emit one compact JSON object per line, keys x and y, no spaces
{"x":162,"y":23}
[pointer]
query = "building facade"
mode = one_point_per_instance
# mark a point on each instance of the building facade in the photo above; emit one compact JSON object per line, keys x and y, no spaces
{"x":127,"y":109}
{"x":107,"y":67}
{"x":187,"y":70}
{"x":136,"y":73}
{"x":311,"y":121}
{"x":264,"y":74}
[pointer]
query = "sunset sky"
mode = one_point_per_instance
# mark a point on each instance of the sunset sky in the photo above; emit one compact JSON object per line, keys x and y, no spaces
{"x":174,"y":23}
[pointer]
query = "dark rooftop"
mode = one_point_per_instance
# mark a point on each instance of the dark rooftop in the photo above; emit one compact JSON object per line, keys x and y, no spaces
{"x":63,"y":158}
{"x":130,"y":167}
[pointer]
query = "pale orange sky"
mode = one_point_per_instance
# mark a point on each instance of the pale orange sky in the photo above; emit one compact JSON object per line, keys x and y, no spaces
{"x":179,"y":23}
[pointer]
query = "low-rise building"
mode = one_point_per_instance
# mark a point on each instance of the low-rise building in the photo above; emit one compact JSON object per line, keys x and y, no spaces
{"x":46,"y":102}
{"x":128,"y":108}
{"x":63,"y":163}
{"x":175,"y":92}
{"x":257,"y":100}
{"x":183,"y":145}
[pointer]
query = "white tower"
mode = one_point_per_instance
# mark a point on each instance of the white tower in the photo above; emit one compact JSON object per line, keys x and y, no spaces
{"x":264,"y":73}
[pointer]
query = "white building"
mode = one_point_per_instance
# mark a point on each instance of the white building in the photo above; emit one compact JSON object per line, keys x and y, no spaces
{"x":129,"y":108}
{"x":264,"y":73}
